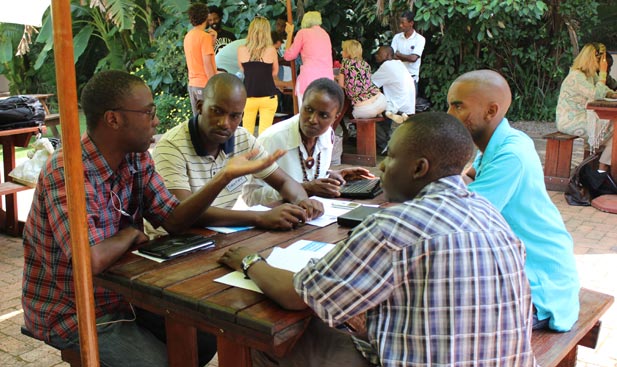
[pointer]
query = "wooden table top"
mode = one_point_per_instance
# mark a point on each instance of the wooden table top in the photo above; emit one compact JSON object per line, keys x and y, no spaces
{"x":602,"y":103}
{"x":184,"y":288}
{"x":23,"y":130}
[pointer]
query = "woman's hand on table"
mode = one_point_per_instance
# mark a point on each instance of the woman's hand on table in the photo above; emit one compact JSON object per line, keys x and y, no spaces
{"x":323,"y":187}
{"x":350,"y":174}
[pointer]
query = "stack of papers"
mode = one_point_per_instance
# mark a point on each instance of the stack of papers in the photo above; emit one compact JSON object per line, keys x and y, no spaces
{"x":332,"y":210}
{"x":292,"y":258}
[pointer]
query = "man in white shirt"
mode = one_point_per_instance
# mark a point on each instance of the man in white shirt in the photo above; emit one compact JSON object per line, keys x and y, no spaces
{"x":409,"y":45}
{"x":398,"y":87}
{"x":227,"y":57}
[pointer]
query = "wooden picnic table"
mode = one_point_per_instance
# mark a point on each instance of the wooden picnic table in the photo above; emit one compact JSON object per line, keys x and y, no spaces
{"x":9,"y":139}
{"x":184,"y":291}
{"x":607,"y":110}
{"x":51,"y":119}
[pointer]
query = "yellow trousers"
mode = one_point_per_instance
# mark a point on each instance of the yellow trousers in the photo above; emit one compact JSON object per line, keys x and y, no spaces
{"x":266,"y":106}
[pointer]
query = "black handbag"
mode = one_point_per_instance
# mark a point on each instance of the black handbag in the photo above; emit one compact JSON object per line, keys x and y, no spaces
{"x":587,"y":183}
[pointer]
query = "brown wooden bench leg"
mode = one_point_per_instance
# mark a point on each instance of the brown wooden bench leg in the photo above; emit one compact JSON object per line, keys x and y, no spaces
{"x":71,"y":356}
{"x":365,"y":142}
{"x":570,"y":359}
{"x":557,"y":160}
{"x":366,"y":146}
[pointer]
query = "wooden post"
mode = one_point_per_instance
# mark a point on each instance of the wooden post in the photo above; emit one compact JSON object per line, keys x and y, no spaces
{"x":74,"y":177}
{"x":293,"y":62}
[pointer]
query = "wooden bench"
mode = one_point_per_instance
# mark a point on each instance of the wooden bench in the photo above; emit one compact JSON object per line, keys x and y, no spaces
{"x":52,"y":121}
{"x":560,"y":349}
{"x":70,"y":356}
{"x":558,"y":160}
{"x":366,"y":145}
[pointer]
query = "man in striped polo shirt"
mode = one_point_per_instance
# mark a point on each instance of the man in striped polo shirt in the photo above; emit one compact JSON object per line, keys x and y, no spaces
{"x":190,"y":154}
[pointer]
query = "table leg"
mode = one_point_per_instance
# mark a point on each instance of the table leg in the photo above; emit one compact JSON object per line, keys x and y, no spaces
{"x":232,"y":354}
{"x":614,"y":152}
{"x":54,"y":131}
{"x":181,"y":343}
{"x":11,"y":224}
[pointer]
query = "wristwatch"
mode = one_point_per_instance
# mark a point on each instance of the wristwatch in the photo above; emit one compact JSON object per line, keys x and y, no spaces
{"x":248,"y":261}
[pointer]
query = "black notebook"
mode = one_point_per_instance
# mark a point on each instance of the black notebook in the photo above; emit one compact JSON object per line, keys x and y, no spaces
{"x":354,"y":217}
{"x":168,"y":247}
{"x":361,"y":189}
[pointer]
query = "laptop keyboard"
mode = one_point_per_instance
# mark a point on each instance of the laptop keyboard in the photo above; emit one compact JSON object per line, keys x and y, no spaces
{"x":367,"y":188}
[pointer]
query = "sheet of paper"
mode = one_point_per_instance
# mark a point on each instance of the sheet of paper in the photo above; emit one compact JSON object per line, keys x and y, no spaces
{"x":332,"y":209}
{"x":239,"y":205}
{"x":227,"y":230}
{"x":157,"y":259}
{"x":237,"y":279}
{"x":292,"y":258}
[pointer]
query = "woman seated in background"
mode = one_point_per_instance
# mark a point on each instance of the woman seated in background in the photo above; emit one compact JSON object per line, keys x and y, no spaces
{"x":258,"y":60}
{"x":355,"y":79}
{"x":582,"y":85}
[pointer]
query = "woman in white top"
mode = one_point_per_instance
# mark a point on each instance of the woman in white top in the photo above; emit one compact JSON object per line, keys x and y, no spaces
{"x":582,"y":85}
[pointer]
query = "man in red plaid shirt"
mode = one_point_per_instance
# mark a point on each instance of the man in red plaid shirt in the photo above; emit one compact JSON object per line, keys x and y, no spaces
{"x":122,"y":188}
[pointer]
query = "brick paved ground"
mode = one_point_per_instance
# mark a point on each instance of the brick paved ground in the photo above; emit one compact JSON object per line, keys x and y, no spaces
{"x":595,"y":238}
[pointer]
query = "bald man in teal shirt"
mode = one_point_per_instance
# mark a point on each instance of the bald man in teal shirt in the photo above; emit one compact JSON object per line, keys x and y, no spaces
{"x":508,"y":172}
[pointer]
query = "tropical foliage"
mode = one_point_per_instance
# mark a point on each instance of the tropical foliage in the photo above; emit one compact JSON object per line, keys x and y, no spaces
{"x":531,"y":42}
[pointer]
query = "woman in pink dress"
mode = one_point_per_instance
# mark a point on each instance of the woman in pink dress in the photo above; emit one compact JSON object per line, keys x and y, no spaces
{"x":313,"y":44}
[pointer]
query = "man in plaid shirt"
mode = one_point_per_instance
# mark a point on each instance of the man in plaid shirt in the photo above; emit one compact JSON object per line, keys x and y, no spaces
{"x":440,"y":276}
{"x":122,"y":189}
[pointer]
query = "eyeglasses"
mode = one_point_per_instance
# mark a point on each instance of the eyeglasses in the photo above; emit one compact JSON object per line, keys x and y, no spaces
{"x":151,"y":113}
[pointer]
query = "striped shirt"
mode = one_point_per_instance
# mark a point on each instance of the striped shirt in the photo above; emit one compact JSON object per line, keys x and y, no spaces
{"x":48,"y":295}
{"x":183,"y":168}
{"x":441,"y":278}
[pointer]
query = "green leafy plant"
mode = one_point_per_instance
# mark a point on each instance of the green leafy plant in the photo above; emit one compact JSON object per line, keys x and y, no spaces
{"x":171,"y":110}
{"x":529,"y":41}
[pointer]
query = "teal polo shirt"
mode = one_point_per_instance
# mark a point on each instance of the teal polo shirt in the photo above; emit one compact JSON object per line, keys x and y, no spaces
{"x":509,"y":174}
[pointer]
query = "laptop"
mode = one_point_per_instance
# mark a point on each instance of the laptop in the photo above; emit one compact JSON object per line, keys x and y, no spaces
{"x":169,"y":247}
{"x":361,"y":189}
{"x":356,"y":216}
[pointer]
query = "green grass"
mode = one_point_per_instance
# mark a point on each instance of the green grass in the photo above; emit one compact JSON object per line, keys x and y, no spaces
{"x":22,"y":152}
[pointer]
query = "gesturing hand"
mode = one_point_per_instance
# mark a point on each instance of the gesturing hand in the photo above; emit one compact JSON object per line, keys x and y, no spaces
{"x":244,"y":164}
{"x":289,"y":28}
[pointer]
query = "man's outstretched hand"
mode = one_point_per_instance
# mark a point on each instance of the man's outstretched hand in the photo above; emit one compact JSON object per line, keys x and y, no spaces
{"x":244,"y":164}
